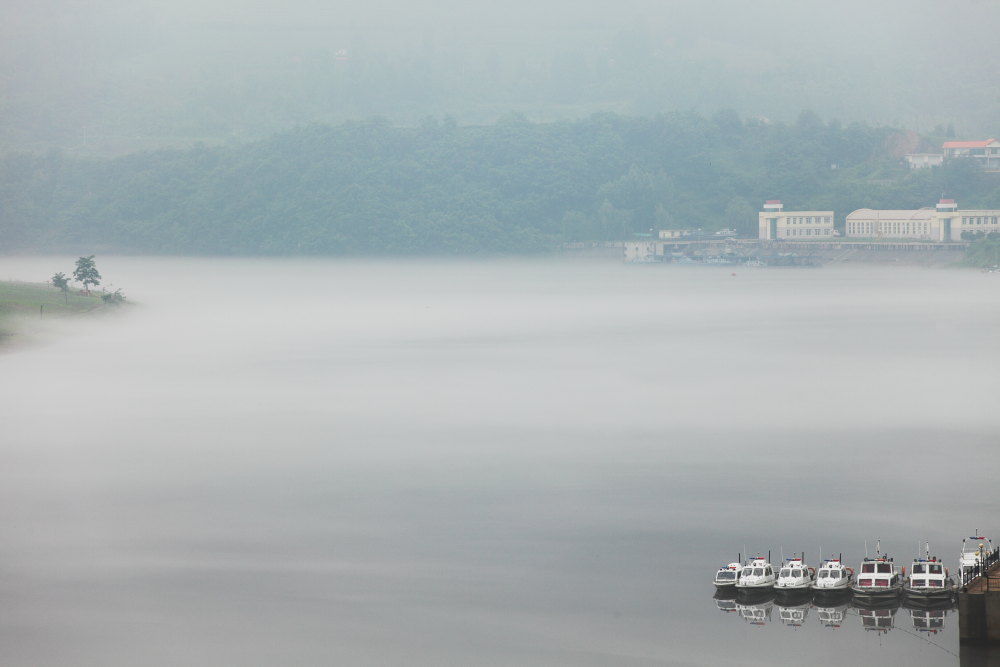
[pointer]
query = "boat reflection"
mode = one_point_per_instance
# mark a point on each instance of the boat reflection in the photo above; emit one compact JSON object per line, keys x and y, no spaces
{"x":929,"y":619}
{"x":793,"y":615}
{"x":832,"y":612}
{"x":832,"y":615}
{"x":877,"y":616}
{"x":725,"y":600}
{"x":755,"y":610}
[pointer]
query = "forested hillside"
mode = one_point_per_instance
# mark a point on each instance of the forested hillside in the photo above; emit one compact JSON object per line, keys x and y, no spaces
{"x":514,"y":186}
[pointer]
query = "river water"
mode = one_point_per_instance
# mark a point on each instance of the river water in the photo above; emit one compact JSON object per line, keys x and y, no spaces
{"x":266,"y":462}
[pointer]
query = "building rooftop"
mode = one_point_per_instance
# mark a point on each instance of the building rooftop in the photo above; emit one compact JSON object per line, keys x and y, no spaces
{"x":872,"y":214}
{"x":969,"y":144}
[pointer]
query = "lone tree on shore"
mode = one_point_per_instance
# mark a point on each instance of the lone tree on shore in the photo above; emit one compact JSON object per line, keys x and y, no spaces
{"x":86,"y":273}
{"x":62,"y":282}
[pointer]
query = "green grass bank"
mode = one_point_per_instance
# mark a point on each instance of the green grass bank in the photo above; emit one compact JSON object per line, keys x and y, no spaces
{"x":21,"y":304}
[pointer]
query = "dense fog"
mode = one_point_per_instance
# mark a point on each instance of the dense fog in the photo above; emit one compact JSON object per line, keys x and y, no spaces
{"x":271,"y":462}
{"x":109,"y":77}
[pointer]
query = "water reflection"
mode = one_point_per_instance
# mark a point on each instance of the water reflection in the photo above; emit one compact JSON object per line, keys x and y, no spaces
{"x":832,"y":615}
{"x":755,"y":609}
{"x":877,"y":617}
{"x":832,"y":611}
{"x":929,"y":619}
{"x":725,"y":600}
{"x":794,"y":616}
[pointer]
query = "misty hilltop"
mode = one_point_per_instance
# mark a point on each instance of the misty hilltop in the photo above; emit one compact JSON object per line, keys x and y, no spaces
{"x":115,"y":76}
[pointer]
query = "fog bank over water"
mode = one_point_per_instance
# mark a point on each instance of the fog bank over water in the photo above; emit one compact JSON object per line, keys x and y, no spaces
{"x":523,"y":462}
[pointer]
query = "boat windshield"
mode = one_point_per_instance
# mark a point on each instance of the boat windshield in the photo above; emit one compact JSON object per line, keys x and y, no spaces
{"x":935,"y":568}
{"x":725,"y":574}
{"x":758,"y":571}
{"x":785,"y":572}
{"x":823,"y":574}
{"x":918,"y":568}
{"x":796,"y":573}
{"x":884,"y":568}
{"x":868,"y":568}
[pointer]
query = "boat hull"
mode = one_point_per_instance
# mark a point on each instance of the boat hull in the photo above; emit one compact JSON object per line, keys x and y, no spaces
{"x":929,"y":594}
{"x":876,"y":594}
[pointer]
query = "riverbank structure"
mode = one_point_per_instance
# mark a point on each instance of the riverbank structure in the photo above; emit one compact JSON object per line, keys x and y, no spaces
{"x":943,"y":223}
{"x":776,"y":224}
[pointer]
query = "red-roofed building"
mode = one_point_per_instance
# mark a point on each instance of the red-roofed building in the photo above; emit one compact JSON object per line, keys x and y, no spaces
{"x":986,"y":152}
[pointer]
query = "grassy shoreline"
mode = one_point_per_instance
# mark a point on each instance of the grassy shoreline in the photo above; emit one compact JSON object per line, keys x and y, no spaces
{"x":22,"y":303}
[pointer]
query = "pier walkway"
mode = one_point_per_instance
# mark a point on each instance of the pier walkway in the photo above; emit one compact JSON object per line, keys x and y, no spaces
{"x":979,"y":603}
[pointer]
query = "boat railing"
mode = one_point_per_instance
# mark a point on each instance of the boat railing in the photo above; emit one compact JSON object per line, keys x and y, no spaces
{"x":980,"y":569}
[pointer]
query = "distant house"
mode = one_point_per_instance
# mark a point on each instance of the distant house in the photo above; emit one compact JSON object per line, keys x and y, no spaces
{"x":923,"y":160}
{"x":985,"y":152}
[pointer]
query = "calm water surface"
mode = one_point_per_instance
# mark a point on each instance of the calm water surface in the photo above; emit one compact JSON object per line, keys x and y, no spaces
{"x":268,"y":462}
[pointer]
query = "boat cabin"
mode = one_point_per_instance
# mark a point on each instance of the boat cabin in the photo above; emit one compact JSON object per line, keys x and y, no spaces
{"x":728,"y":575}
{"x":833,"y":574}
{"x":875,"y":573}
{"x":929,"y":573}
{"x":795,"y":574}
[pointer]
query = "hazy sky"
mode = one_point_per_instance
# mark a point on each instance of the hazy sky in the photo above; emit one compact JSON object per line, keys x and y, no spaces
{"x":69,"y":62}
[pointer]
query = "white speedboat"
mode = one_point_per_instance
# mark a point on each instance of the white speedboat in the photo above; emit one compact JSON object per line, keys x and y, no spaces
{"x":972,"y":559}
{"x":727,"y":575}
{"x":757,"y":576}
{"x":929,"y":580}
{"x":832,"y":577}
{"x":879,"y":579}
{"x":794,"y":575}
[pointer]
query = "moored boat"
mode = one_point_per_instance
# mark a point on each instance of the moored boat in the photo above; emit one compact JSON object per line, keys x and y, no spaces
{"x":929,"y":580}
{"x":833,"y":578}
{"x":756,"y":576}
{"x":727,"y":575}
{"x":972,"y":559}
{"x":794,"y":576}
{"x":878,"y":578}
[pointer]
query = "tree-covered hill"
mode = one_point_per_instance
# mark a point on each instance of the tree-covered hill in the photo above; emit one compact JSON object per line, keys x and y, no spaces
{"x":515,"y":186}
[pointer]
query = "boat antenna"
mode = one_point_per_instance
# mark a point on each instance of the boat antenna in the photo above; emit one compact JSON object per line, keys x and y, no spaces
{"x":768,"y":555}
{"x":878,"y":547}
{"x":866,"y":548}
{"x":927,"y":547}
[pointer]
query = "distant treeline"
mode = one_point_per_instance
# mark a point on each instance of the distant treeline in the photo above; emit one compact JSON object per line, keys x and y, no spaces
{"x":366,"y":188}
